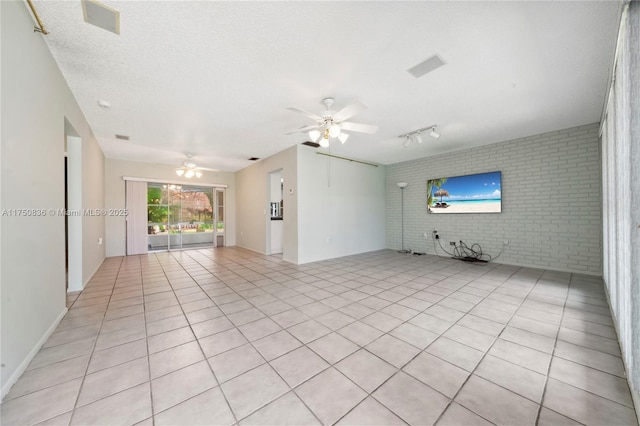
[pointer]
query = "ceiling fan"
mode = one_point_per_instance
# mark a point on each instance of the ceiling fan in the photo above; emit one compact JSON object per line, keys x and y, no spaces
{"x":330,"y":124}
{"x":190,"y":169}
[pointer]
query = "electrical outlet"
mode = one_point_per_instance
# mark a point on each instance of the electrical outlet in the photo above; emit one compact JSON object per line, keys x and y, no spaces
{"x":435,"y":231}
{"x":505,"y":242}
{"x":452,"y":243}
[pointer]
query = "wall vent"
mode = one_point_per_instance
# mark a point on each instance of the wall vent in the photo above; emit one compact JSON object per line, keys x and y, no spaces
{"x":311,"y":144}
{"x":122,"y":137}
{"x":254,"y":159}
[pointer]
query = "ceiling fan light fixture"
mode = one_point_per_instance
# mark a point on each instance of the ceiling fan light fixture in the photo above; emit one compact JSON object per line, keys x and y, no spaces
{"x":189,"y":173}
{"x":198,"y":173}
{"x":343,"y":137}
{"x":314,"y":135}
{"x":334,"y":130}
{"x":324,"y":142}
{"x":179,"y":172}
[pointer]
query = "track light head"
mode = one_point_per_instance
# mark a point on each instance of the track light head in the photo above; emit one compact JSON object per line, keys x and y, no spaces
{"x":417,"y":137}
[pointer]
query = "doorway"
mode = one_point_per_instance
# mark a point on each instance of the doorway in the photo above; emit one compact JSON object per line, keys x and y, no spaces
{"x":66,"y":224}
{"x":275,"y":227}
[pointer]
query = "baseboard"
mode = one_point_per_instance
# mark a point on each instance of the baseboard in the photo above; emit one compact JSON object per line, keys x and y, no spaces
{"x":84,"y":284}
{"x":25,"y":362}
{"x":250,"y":249}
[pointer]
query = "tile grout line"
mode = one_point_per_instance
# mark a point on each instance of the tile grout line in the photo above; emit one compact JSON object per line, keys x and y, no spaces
{"x":555,"y":343}
{"x":244,"y":265}
{"x":400,"y":369}
{"x":257,"y":351}
{"x":487,"y":352}
{"x":172,"y":290}
{"x":146,"y":338}
{"x":93,"y":349}
{"x":569,"y":384}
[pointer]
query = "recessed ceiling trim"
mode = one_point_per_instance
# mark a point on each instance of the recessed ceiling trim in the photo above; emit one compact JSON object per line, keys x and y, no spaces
{"x":426,"y":66}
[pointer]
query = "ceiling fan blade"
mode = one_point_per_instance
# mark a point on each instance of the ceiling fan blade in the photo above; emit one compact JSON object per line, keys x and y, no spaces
{"x":307,"y":113}
{"x":304,"y":129}
{"x":359,"y":127}
{"x":349,"y":111}
{"x":207,"y":169}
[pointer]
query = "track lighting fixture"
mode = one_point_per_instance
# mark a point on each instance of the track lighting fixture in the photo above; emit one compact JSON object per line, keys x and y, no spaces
{"x":416,"y":137}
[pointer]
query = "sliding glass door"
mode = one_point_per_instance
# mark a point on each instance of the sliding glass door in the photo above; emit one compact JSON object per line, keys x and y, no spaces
{"x":184,"y":216}
{"x":157,"y":216}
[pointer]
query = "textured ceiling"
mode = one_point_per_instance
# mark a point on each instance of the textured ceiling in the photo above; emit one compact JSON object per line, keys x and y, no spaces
{"x":214,"y":78}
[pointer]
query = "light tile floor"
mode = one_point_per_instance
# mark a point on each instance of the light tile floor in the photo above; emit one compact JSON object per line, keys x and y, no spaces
{"x":227,"y":336}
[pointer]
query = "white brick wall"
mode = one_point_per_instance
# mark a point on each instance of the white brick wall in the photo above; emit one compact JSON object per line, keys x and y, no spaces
{"x":551,"y":201}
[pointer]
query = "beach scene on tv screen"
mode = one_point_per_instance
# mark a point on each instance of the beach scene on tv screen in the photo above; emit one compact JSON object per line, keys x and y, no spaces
{"x":479,"y":193}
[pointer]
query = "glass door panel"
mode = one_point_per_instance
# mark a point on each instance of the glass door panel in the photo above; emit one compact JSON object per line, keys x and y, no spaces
{"x":197,"y":216}
{"x":183,"y":216}
{"x":220,"y":218}
{"x":157,"y":217}
{"x":175,"y":217}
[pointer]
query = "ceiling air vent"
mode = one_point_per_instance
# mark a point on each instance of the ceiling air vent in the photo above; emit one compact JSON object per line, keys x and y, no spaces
{"x":101,"y":15}
{"x":122,"y":137}
{"x":253,"y":159}
{"x":311,"y":144}
{"x":426,"y":66}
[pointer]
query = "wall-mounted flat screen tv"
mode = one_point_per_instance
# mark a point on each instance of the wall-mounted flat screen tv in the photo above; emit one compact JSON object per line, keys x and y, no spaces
{"x":480,"y":193}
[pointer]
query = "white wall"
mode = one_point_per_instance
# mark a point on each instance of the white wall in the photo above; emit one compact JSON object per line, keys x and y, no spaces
{"x":551,"y":201}
{"x":341,"y":207}
{"x":35,"y":102}
{"x":93,"y":227}
{"x":252,"y":196}
{"x":115,"y":229}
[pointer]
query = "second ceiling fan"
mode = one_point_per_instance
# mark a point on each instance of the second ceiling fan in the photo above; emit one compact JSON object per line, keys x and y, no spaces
{"x":330,"y":124}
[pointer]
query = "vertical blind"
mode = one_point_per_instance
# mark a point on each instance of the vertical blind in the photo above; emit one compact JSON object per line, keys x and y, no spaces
{"x":620,"y":133}
{"x":136,"y":195}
